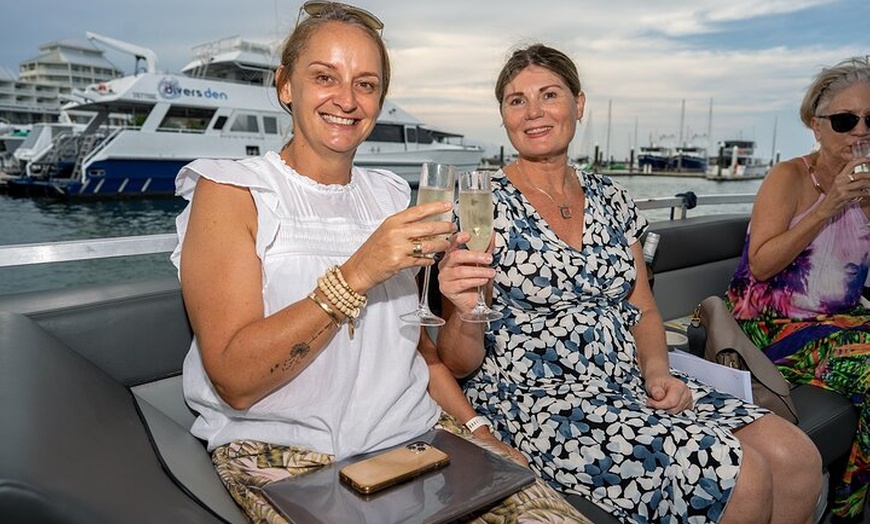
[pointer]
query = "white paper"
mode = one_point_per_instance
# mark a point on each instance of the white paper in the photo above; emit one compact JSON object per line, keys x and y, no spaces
{"x":728,"y":380}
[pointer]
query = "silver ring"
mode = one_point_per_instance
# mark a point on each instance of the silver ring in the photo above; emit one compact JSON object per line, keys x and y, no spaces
{"x":417,"y":252}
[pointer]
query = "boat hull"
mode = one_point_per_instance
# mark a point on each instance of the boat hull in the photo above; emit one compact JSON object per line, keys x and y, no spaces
{"x":654,"y":162}
{"x":136,"y":178}
{"x":114,"y":178}
{"x":687,"y":163}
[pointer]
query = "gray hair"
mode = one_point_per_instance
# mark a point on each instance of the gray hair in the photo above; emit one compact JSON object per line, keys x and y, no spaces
{"x":830,"y":82}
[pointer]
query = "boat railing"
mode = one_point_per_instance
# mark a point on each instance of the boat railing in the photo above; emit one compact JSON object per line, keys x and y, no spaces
{"x":91,"y":249}
{"x":76,"y":250}
{"x":182,"y":130}
{"x":682,"y":203}
{"x":101,"y":144}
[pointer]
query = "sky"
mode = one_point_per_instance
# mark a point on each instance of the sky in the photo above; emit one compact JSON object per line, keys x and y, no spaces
{"x":733,"y":69}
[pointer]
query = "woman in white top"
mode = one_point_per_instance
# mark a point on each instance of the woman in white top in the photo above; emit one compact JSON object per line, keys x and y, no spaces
{"x":295,"y":267}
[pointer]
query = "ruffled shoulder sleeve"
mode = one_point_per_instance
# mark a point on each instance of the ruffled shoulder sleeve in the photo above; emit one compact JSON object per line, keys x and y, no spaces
{"x":246,"y":173}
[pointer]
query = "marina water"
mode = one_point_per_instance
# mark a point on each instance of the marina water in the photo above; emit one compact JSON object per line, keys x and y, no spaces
{"x":29,"y":220}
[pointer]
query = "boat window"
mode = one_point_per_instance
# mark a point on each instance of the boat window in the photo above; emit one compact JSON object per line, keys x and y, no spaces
{"x":387,"y":133}
{"x":220,"y":122}
{"x":186,"y":119}
{"x":245,"y":124}
{"x":411,"y":135}
{"x":60,"y":130}
{"x":270,"y":125}
{"x":424,"y":136}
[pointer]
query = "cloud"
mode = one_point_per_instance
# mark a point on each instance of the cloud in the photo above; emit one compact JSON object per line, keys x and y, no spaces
{"x":752,"y":58}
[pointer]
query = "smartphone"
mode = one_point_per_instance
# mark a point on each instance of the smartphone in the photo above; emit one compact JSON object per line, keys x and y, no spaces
{"x":392,"y":467}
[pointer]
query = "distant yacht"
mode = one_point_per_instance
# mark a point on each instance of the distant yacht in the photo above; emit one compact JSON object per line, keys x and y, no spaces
{"x":223,"y":106}
{"x":737,"y":161}
{"x":654,"y":158}
{"x":689,"y":159}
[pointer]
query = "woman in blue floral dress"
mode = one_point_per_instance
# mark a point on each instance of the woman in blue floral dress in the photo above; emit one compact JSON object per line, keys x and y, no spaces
{"x":575,"y":374}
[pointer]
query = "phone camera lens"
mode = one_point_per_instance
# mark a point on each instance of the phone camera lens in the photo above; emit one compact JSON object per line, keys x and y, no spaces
{"x":417,"y":447}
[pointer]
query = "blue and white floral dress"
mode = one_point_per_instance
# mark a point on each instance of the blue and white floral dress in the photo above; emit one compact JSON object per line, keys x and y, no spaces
{"x":561,"y":382}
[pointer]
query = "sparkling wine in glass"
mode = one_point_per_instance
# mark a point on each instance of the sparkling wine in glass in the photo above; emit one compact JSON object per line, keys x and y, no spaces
{"x":437,"y":183}
{"x":861,"y":149}
{"x":475,"y":217}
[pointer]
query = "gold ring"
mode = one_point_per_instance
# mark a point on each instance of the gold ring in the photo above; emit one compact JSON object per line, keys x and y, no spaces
{"x":417,"y":252}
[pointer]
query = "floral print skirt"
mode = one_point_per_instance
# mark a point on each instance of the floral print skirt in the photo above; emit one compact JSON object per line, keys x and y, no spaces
{"x":246,"y":465}
{"x":832,"y":353}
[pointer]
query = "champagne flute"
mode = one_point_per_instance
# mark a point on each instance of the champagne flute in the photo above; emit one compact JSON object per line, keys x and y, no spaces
{"x":437,"y":183}
{"x":475,"y":217}
{"x":861,"y":149}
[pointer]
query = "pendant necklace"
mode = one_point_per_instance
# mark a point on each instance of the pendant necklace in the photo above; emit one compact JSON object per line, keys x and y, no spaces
{"x":564,"y":209}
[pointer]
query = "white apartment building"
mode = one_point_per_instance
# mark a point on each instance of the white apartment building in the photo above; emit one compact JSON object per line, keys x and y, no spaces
{"x":61,"y":66}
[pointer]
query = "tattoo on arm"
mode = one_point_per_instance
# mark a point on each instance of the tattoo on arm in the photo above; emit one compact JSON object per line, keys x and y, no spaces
{"x":298,"y":352}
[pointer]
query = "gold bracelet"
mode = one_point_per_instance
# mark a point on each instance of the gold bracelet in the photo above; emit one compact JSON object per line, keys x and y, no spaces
{"x":347,"y":309}
{"x":325,"y":307}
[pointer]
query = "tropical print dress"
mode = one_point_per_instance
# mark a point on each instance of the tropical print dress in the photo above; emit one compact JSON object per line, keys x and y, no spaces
{"x":810,"y":322}
{"x":560,"y":380}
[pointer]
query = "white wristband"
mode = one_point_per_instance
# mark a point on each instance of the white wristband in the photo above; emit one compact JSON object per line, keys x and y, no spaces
{"x":475,"y":422}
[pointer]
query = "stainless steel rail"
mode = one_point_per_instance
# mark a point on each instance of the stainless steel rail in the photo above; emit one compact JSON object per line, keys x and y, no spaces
{"x":67,"y":251}
{"x":682,"y":203}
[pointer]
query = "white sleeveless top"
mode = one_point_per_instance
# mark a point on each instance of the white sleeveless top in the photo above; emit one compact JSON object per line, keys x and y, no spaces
{"x":358,"y":395}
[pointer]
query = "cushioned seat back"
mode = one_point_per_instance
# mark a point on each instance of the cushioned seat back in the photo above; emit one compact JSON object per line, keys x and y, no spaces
{"x":695,"y":259}
{"x":147,"y":316}
{"x":72,"y":435}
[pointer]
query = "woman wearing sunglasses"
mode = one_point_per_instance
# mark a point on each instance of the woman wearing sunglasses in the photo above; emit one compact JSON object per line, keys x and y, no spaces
{"x":295,"y":267}
{"x":797,"y":289}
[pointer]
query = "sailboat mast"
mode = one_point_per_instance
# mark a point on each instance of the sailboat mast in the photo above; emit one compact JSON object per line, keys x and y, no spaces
{"x":773,"y":147}
{"x":682,"y":122}
{"x":710,"y":127}
{"x":607,"y":145}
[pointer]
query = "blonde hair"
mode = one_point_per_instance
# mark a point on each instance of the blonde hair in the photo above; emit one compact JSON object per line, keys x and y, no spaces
{"x":301,"y":35}
{"x":830,"y":82}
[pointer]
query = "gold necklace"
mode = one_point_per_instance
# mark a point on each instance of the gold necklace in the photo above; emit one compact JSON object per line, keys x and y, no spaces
{"x":564,"y":209}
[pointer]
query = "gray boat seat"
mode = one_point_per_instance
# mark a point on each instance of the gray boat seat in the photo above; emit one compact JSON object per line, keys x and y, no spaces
{"x":87,"y":456}
{"x":696,"y":259}
{"x":168,"y":420}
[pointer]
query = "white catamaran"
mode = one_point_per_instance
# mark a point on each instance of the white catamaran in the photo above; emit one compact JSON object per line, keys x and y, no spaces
{"x":222,"y":105}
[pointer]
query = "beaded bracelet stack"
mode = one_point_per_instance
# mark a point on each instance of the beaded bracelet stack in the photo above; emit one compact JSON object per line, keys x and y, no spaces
{"x":341,"y":295}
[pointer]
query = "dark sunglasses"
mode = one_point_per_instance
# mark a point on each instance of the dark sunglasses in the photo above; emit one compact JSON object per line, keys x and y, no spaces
{"x":845,"y":122}
{"x":315,"y":8}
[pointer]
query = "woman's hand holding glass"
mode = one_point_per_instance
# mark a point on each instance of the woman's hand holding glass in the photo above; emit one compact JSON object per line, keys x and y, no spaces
{"x":462,"y":271}
{"x":407,"y":239}
{"x":851,"y":184}
{"x":437,"y":184}
{"x":475,"y":219}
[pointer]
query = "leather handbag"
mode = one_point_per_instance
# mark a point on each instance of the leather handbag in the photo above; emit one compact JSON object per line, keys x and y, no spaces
{"x":715,"y":335}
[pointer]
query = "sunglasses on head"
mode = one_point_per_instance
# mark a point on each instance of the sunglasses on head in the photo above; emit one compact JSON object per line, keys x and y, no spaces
{"x":845,"y":122}
{"x":315,"y":8}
